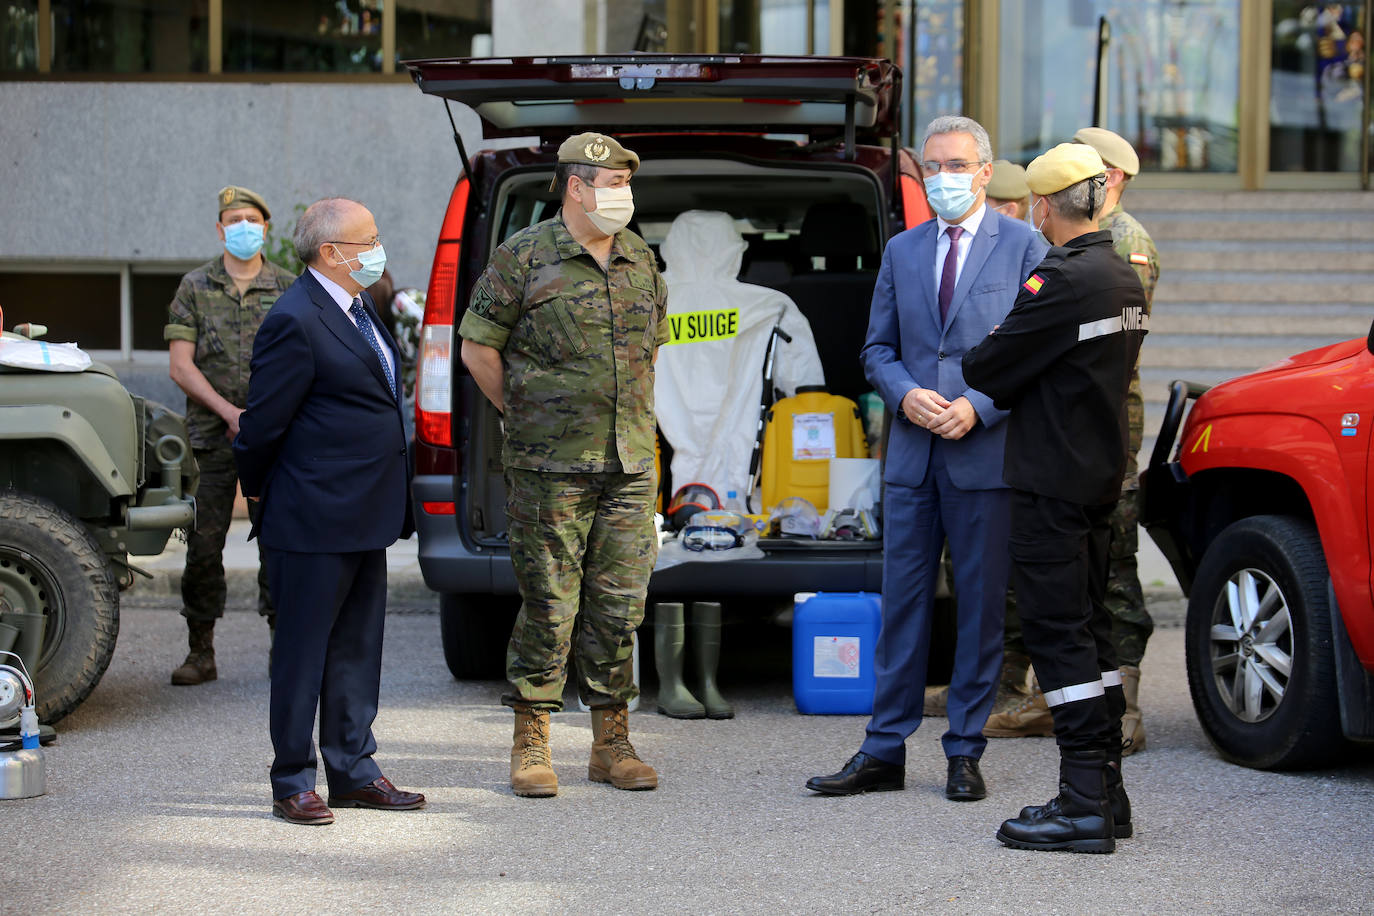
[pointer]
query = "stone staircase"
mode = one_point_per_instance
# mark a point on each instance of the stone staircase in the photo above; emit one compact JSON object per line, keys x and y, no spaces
{"x":1248,"y":278}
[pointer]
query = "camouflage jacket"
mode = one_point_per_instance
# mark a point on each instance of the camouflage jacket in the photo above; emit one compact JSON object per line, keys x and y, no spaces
{"x":1133,"y":243}
{"x":578,"y":345}
{"x":209,"y":311}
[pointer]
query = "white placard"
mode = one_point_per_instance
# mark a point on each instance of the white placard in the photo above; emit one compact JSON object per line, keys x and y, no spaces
{"x":835,"y":656}
{"x":813,"y":436}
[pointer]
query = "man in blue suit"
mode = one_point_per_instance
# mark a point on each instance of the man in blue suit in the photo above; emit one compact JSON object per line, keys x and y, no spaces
{"x":322,"y":445}
{"x":942,"y":287}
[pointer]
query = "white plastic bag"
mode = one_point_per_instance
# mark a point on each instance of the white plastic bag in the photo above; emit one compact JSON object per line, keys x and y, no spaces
{"x":43,"y":356}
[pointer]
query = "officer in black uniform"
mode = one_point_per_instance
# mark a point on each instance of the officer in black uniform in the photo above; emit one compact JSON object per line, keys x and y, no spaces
{"x":1061,"y":363}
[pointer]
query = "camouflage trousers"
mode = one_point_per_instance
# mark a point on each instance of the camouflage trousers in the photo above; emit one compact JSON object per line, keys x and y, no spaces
{"x":202,"y":583}
{"x":1125,"y":601}
{"x":583,"y":547}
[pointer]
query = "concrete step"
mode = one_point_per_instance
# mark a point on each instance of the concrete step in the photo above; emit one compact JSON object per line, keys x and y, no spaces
{"x":1178,"y":257}
{"x":1351,"y":227}
{"x":1346,"y":287}
{"x":1241,"y":353}
{"x":1275,"y":204}
{"x":1270,"y":321}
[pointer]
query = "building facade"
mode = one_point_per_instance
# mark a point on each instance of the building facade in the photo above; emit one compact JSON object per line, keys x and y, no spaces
{"x":121,"y":118}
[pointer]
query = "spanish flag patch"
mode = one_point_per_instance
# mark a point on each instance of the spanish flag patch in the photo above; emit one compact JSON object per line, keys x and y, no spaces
{"x":1139,"y":257}
{"x":1033,"y":285}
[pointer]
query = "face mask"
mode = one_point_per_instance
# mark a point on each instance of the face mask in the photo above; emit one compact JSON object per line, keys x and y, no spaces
{"x":950,"y":194}
{"x":243,"y":239}
{"x":614,"y":207}
{"x":371,"y":263}
{"x":1039,"y":231}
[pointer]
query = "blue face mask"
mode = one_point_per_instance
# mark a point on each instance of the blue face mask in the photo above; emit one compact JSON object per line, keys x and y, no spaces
{"x":371,"y":264}
{"x":243,"y":239}
{"x":950,"y":194}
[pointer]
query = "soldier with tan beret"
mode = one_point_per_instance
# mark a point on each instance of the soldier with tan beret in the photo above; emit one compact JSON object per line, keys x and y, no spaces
{"x":211,"y":324}
{"x":1061,"y":362}
{"x":1007,"y":191}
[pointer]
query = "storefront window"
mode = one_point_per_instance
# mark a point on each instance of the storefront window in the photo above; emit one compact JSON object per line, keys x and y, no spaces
{"x":306,"y":36}
{"x":19,"y":36}
{"x":935,"y":74}
{"x":440,"y":28}
{"x":130,"y":36}
{"x":1172,"y":78}
{"x":1316,"y":87}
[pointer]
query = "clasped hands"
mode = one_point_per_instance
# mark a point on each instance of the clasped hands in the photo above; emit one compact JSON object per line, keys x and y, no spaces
{"x":927,"y":409}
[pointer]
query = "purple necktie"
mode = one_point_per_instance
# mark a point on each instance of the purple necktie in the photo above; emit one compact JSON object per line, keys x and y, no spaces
{"x":947,"y":276}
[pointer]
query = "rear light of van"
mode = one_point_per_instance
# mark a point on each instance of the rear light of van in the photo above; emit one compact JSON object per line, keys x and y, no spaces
{"x":435,"y":363}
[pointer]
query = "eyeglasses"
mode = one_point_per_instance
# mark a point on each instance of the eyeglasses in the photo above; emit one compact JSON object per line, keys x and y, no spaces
{"x":372,"y":244}
{"x":931,"y":166}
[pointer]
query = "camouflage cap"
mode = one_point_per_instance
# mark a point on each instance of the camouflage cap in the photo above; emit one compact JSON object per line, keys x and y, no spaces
{"x":1113,"y":148}
{"x":1008,"y":181}
{"x":1067,"y":164}
{"x":234,"y":196}
{"x":592,"y":148}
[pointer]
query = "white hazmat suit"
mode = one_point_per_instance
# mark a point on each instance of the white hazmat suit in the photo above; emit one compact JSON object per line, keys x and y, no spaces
{"x":709,"y":377}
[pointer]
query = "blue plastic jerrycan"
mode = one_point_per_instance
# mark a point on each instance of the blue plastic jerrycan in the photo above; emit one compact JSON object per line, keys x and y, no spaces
{"x":833,"y":637}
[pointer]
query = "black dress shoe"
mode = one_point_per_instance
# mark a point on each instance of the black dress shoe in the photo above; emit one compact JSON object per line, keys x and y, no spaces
{"x":861,"y":774}
{"x":1051,"y":827}
{"x":965,"y":783}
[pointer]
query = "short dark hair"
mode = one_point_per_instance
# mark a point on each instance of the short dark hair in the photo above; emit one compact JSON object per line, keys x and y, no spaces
{"x":565,"y":170}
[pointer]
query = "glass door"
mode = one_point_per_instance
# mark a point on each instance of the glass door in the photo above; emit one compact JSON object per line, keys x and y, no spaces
{"x":1318,"y":115}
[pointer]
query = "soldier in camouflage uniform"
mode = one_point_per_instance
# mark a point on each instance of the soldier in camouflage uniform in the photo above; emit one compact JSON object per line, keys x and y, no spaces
{"x":1131,"y":623}
{"x":561,"y":334}
{"x":211,"y":325}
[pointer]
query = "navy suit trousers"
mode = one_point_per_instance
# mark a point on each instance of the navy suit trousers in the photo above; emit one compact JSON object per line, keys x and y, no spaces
{"x":916,"y":521}
{"x":327,"y":654}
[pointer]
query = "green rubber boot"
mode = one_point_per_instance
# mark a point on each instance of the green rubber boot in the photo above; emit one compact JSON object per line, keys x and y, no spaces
{"x":674,"y":699}
{"x":706,"y":654}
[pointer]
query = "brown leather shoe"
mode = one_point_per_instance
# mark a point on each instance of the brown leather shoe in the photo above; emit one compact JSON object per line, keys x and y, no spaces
{"x":379,"y":794}
{"x":303,"y":808}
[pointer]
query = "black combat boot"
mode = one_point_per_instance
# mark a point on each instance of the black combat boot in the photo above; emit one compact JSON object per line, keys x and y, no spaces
{"x":1078,"y":819}
{"x":1116,"y":797}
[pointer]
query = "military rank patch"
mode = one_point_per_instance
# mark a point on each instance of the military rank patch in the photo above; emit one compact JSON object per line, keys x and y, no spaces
{"x":1033,"y":285}
{"x":1139,"y":257}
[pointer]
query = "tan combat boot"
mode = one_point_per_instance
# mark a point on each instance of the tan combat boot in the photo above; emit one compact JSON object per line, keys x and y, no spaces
{"x":613,"y":756}
{"x":1029,"y":718}
{"x":531,"y":774}
{"x":936,"y":701}
{"x":199,"y":666}
{"x":1132,"y":723}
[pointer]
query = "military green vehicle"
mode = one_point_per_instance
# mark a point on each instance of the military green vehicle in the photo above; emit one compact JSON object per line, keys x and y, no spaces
{"x":89,"y":475}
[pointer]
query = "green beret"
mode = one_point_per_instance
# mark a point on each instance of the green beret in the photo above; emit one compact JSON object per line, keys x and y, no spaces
{"x":1065,"y":165}
{"x":1008,"y":181}
{"x":1113,"y":148}
{"x":233,"y":197}
{"x":597,"y":149}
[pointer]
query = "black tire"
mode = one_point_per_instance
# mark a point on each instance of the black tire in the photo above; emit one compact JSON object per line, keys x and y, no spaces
{"x":475,"y":630}
{"x":50,"y":564}
{"x":1256,"y":713}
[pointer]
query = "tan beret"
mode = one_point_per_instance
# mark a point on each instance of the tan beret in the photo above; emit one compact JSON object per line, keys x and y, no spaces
{"x":233,"y":197}
{"x":1067,"y":164}
{"x":592,"y":148}
{"x":1113,"y":148}
{"x":1008,"y":181}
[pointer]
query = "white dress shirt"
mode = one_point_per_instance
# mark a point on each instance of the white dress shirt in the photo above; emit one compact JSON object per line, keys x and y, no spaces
{"x":970,"y":226}
{"x":345,"y":302}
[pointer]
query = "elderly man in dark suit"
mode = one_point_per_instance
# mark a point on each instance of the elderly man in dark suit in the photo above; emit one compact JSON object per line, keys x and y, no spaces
{"x":942,"y":286}
{"x":322,"y":445}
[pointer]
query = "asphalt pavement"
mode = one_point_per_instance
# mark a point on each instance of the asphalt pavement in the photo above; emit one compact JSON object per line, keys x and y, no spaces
{"x":158,"y":802}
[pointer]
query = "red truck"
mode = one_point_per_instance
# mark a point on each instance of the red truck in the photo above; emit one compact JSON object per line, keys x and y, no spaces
{"x":1264,"y":513}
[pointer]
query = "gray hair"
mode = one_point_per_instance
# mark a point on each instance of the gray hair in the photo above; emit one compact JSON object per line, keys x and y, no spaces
{"x":1082,"y":200}
{"x":958,"y":124}
{"x":320,"y":223}
{"x":565,"y":170}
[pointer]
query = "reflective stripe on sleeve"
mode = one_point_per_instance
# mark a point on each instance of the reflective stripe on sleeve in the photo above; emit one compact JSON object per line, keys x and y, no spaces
{"x":1099,"y":328}
{"x":1111,"y":678}
{"x":1073,"y":693}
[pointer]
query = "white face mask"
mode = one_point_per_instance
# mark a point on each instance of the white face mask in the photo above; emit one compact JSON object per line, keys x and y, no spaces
{"x":614,"y":208}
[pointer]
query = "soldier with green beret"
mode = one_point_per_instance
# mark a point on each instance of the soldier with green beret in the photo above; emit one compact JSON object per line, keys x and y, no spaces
{"x":211,"y":324}
{"x":560,"y":334}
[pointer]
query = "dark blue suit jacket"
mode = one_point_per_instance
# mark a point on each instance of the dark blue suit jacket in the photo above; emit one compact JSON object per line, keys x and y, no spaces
{"x":321,"y":440}
{"x":908,"y":347}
